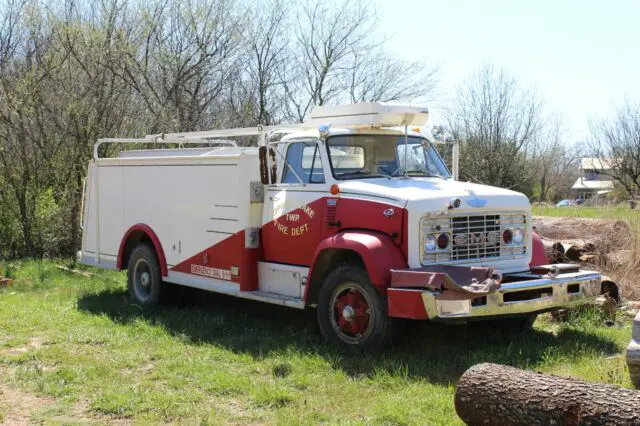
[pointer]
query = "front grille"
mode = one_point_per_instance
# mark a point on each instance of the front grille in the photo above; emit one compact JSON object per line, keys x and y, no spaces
{"x":473,"y":238}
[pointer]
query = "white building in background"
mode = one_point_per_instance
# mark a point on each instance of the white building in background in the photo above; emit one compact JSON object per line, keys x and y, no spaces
{"x":596,"y":178}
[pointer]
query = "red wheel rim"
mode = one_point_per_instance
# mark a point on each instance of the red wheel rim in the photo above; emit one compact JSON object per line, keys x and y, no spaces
{"x":351,"y":313}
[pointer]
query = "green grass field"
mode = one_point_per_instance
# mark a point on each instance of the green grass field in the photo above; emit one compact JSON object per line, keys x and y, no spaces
{"x":616,"y":212}
{"x":83,"y":353}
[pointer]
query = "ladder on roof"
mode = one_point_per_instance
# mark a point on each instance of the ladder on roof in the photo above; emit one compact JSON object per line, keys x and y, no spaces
{"x":199,"y":137}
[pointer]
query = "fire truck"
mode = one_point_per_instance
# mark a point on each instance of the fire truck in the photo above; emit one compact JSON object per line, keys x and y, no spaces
{"x":353,"y":213}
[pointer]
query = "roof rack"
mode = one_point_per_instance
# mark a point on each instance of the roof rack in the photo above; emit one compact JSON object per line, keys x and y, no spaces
{"x":202,"y":137}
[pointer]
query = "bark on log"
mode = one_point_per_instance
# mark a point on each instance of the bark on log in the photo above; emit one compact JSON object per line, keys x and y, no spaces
{"x":553,"y":250}
{"x":572,"y":252}
{"x":500,"y":395}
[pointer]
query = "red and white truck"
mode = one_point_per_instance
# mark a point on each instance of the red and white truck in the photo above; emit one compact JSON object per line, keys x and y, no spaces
{"x":352,"y":212}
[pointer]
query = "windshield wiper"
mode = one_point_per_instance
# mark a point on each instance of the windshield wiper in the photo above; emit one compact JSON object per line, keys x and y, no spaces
{"x":363,"y":173}
{"x":423,"y":174}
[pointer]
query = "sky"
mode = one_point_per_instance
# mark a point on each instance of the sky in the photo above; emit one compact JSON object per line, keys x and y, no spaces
{"x":581,"y":57}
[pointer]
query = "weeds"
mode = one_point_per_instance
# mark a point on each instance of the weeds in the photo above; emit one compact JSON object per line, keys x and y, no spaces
{"x":8,"y":270}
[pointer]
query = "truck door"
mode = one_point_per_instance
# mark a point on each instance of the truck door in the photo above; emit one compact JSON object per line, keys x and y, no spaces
{"x":292,"y":217}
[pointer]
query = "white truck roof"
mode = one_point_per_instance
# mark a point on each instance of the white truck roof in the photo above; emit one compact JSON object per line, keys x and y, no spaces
{"x":375,"y":114}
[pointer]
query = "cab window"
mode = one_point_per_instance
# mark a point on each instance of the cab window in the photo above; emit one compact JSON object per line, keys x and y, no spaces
{"x":304,"y":159}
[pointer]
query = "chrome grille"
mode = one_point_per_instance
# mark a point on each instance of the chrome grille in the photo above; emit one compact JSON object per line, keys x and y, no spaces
{"x":473,"y":237}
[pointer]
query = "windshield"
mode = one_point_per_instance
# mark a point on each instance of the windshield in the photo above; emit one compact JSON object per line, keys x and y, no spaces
{"x":367,"y":156}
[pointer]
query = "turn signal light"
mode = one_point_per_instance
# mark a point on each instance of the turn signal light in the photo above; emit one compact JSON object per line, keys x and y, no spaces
{"x":335,"y":189}
{"x":443,"y":241}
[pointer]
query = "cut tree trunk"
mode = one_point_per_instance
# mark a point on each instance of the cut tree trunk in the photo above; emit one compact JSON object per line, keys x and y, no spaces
{"x":553,"y":250}
{"x":500,"y":395}
{"x":572,"y":252}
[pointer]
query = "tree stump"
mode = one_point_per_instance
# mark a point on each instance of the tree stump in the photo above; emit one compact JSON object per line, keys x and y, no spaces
{"x":492,"y":394}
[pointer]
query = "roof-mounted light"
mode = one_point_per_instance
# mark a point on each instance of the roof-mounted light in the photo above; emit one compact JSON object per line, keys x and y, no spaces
{"x":375,"y":114}
{"x":324,"y":130}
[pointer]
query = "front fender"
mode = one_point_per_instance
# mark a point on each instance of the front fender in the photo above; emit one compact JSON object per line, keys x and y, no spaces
{"x":378,"y":252}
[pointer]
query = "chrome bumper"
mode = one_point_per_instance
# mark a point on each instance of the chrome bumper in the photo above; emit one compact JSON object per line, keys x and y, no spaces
{"x":533,"y":294}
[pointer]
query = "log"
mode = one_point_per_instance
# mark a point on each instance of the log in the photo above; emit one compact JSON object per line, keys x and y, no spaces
{"x":500,"y":395}
{"x":609,"y":286}
{"x":558,"y":249}
{"x":572,"y":252}
{"x":553,"y":250}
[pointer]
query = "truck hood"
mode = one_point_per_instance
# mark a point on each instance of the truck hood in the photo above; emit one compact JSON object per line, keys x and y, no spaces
{"x":437,"y":193}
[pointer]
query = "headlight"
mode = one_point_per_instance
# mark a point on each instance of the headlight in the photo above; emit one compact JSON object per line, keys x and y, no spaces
{"x":430,"y":243}
{"x":513,"y":236}
{"x":518,"y":236}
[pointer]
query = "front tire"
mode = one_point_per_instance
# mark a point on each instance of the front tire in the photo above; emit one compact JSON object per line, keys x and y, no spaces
{"x":351,"y":312}
{"x":144,"y":277}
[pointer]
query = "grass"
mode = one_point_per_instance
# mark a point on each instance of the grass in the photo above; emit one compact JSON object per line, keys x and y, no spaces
{"x":79,"y":341}
{"x":615,"y":211}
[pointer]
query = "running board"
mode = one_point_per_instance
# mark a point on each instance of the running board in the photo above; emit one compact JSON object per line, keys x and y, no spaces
{"x":232,"y":289}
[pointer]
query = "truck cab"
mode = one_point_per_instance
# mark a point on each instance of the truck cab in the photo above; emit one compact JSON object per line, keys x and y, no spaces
{"x":353,"y":213}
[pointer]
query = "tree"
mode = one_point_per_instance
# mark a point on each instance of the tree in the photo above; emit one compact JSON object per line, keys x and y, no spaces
{"x":557,"y":165}
{"x":73,"y":72}
{"x":326,"y":39}
{"x":267,"y":51}
{"x":497,"y":123}
{"x":616,"y":144}
{"x":180,"y":58}
{"x":376,"y":75}
{"x":340,"y":59}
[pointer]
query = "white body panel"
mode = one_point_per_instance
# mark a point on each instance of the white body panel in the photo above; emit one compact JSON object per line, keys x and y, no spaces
{"x":190,"y":203}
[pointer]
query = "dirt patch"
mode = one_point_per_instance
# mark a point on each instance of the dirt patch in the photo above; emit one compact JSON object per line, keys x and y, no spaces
{"x":34,"y":343}
{"x":613,"y":246}
{"x":18,"y":407}
{"x":611,"y":234}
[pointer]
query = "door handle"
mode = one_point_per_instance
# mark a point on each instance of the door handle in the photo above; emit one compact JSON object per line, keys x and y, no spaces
{"x":274,"y":198}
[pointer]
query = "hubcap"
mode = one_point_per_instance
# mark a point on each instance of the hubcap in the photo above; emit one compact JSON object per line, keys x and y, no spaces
{"x":352,"y":318}
{"x":145,"y":279}
{"x":348,"y":313}
{"x":142,"y":280}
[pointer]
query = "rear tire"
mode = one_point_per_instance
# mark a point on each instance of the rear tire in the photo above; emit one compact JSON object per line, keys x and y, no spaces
{"x":144,"y":277}
{"x":351,"y":312}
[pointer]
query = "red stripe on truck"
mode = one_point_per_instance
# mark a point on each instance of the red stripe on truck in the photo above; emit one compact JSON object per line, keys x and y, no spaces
{"x":372,"y":229}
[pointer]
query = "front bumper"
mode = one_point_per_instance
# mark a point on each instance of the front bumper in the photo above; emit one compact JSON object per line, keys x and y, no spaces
{"x":522,"y":294}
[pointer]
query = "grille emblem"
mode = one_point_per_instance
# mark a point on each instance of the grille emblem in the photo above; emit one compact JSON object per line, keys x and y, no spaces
{"x":477,"y":202}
